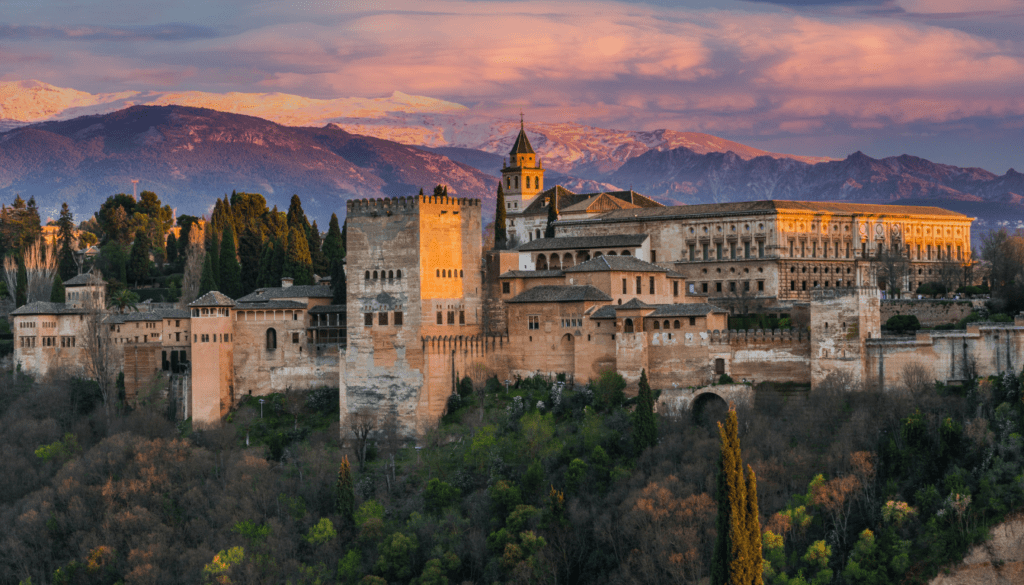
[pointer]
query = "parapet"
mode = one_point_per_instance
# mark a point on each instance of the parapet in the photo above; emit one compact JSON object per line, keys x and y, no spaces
{"x":824,"y":294}
{"x":388,"y":205}
{"x":734,"y":336}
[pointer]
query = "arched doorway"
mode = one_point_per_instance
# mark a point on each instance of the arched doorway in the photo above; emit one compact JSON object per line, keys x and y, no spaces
{"x":708,"y":409}
{"x":542,"y":262}
{"x":627,"y":326}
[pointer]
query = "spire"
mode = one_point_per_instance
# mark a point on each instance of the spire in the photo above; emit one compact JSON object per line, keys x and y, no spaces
{"x":522,"y":143}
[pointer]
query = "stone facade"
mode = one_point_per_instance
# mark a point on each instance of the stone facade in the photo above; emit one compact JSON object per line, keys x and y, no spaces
{"x":930,"y":312}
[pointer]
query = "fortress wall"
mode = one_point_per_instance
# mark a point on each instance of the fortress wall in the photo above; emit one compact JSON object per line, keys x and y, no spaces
{"x":141,"y":365}
{"x":756,"y":355}
{"x":930,"y":312}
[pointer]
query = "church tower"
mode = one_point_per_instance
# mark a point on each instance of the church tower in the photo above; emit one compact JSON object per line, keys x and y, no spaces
{"x":523,"y":176}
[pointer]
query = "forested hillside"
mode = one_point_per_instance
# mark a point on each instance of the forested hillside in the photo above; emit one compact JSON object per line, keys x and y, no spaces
{"x":539,"y":484}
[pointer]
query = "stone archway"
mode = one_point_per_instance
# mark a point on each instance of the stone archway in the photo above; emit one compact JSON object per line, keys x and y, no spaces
{"x":708,"y":408}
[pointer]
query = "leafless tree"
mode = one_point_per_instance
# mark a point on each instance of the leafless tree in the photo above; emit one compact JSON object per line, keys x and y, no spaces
{"x":391,"y":432}
{"x":892,"y":265}
{"x":951,"y":274}
{"x":362,"y":424}
{"x":102,"y":363}
{"x":915,"y":379}
{"x":195,"y":255}
{"x":40,"y":267}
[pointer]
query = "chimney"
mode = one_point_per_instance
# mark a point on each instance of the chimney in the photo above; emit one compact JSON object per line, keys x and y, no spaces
{"x":286,"y":281}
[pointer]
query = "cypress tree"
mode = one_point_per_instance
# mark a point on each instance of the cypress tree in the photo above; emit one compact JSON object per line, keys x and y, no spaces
{"x":230,"y":272}
{"x":172,"y":249}
{"x":549,"y":231}
{"x":500,"y":233}
{"x":206,"y":282}
{"x":338,"y":283}
{"x":737,"y":557}
{"x":754,"y":530}
{"x":57,"y":292}
{"x":250,"y":255}
{"x":334,"y":247}
{"x":321,"y":265}
{"x":214,"y":254}
{"x":645,"y":426}
{"x":298,"y":263}
{"x":21,"y":292}
{"x":266,"y":264}
{"x":345,"y":492}
{"x":67,"y":266}
{"x":719,"y":570}
{"x":138,"y":260}
{"x":296,"y":216}
{"x":277,"y":262}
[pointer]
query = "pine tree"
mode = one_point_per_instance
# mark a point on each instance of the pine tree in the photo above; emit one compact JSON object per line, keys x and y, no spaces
{"x":737,"y":558}
{"x":645,"y":426}
{"x":21,"y":290}
{"x":138,"y":260}
{"x":230,"y":280}
{"x":298,"y":263}
{"x":334,"y":247}
{"x":172,"y":249}
{"x":66,"y":265}
{"x":57,"y":292}
{"x":440,"y":191}
{"x":549,"y":231}
{"x":500,"y":233}
{"x":338,"y":284}
{"x":206,"y":282}
{"x":345,"y":492}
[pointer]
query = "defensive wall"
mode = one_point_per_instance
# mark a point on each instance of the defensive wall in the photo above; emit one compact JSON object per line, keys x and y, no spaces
{"x":930,"y":312}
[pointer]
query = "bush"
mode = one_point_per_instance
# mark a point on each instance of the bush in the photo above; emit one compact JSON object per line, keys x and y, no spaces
{"x":902,"y":324}
{"x":608,"y":391}
{"x":725,"y":379}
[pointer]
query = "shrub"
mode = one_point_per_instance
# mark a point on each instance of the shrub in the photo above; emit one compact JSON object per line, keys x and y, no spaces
{"x":608,"y":391}
{"x":902,"y":323}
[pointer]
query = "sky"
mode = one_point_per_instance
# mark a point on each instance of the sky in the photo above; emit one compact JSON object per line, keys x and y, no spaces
{"x":940,"y":79}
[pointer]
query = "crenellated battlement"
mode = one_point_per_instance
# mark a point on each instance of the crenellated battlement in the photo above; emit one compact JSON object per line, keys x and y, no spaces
{"x":391,"y":204}
{"x":759,"y":336}
{"x":474,"y":343}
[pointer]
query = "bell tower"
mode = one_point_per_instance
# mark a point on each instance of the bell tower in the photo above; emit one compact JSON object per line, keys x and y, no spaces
{"x":522,"y":177}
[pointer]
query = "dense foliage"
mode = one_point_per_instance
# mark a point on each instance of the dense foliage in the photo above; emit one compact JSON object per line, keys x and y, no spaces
{"x":540,"y":483}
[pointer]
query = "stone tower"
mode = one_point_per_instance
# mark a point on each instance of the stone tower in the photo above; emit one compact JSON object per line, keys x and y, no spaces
{"x":414,"y":271}
{"x":523,"y":177}
{"x":212,"y":358}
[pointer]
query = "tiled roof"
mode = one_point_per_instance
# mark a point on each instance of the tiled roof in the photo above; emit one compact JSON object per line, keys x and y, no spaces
{"x":560,"y":294}
{"x":154,"y":315}
{"x":249,"y":306}
{"x":767,"y":207}
{"x":634,"y":304}
{"x":327,"y":309}
{"x":47,"y":308}
{"x":532,"y":274}
{"x":567,"y":199}
{"x":615,"y":264}
{"x":301,"y":291}
{"x":605,"y":312}
{"x":600,"y":203}
{"x":213,"y":299}
{"x":522,"y":143}
{"x":686,"y":310}
{"x":585,"y":242}
{"x":84,"y":279}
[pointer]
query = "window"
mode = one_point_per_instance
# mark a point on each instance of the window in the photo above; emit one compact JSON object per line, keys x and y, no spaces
{"x":367,"y":319}
{"x":652,"y":285}
{"x":451,"y":317}
{"x":703,"y":287}
{"x":718,"y":251}
{"x":382,"y":318}
{"x":271,"y":338}
{"x":718,"y":287}
{"x":295,"y":337}
{"x":506,"y":288}
{"x":691,"y":252}
{"x":675,"y":324}
{"x":533,"y":321}
{"x":440,"y":318}
{"x":627,"y":326}
{"x":398,"y":275}
{"x":732,"y":287}
{"x":398,"y":318}
{"x":462,"y":317}
{"x":638,"y":285}
{"x":693,"y":321}
{"x":675,"y":288}
{"x":367,"y":277}
{"x":177,"y":336}
{"x":206,"y":338}
{"x":760,"y":248}
{"x":623,"y":286}
{"x":654,"y":256}
{"x":760,"y":286}
{"x":704,"y":251}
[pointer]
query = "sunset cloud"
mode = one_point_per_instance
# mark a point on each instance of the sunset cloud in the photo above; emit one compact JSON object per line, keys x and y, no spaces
{"x":767,"y":69}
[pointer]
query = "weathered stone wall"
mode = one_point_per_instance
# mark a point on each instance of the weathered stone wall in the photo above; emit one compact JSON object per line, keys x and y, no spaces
{"x":676,"y":401}
{"x":841,"y":321}
{"x":45,"y":361}
{"x":294,"y":364}
{"x":759,"y":356}
{"x":212,"y":369}
{"x":930,"y":312}
{"x":141,"y":365}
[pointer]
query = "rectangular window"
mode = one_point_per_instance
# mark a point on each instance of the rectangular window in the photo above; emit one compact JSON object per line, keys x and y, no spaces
{"x":368,"y":319}
{"x":506,"y":287}
{"x":451,"y":317}
{"x":382,"y":318}
{"x":177,"y":336}
{"x":295,"y":337}
{"x":638,"y":285}
{"x":462,"y":317}
{"x":814,"y":249}
{"x":746,"y":285}
{"x":746,"y":249}
{"x":703,"y":287}
{"x":732,"y":287}
{"x":704,"y":250}
{"x":675,"y":288}
{"x":691,"y":251}
{"x":791,"y":248}
{"x":623,"y":286}
{"x":760,"y":285}
{"x":718,"y":251}
{"x":534,"y":321}
{"x":652,"y":285}
{"x":693,"y":321}
{"x":732,"y":251}
{"x":654,"y":256}
{"x":440,"y":318}
{"x":398,"y":318}
{"x":718,"y":287}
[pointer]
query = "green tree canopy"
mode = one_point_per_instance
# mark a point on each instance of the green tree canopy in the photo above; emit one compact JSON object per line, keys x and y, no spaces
{"x":66,"y":265}
{"x":298,"y":264}
{"x":645,"y":425}
{"x":207,"y":282}
{"x":230,"y":280}
{"x":500,"y":232}
{"x":138,"y":261}
{"x":334,"y":246}
{"x":57,"y":292}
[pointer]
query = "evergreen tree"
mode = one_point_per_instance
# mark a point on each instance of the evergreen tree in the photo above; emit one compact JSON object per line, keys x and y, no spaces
{"x":345,"y":492}
{"x":138,"y":260}
{"x":500,"y":233}
{"x":298,"y":263}
{"x":645,"y":426}
{"x":66,"y":265}
{"x":57,"y":292}
{"x":321,"y":266}
{"x":122,"y":269}
{"x":296,"y":216}
{"x":737,"y":557}
{"x":214,"y":254}
{"x":21,"y":290}
{"x":334,"y":247}
{"x":250,"y":255}
{"x":441,"y":191}
{"x":549,"y":232}
{"x":277,"y":262}
{"x":230,"y":280}
{"x":172,"y":249}
{"x":338,"y":284}
{"x":206,"y":282}
{"x":266,"y":264}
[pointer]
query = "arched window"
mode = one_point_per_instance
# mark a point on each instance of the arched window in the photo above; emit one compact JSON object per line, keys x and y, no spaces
{"x":460,"y":274}
{"x":391,"y":274}
{"x":626,"y":253}
{"x":612,"y":253}
{"x":508,"y":182}
{"x":398,"y":274}
{"x":375,"y":275}
{"x":271,"y":338}
{"x":656,"y":324}
{"x":675,"y":324}
{"x":666,"y":324}
{"x":542,"y":262}
{"x":449,"y":274}
{"x":627,"y":326}
{"x":367,"y":275}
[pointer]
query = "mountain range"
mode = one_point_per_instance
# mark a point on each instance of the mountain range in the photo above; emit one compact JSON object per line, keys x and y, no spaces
{"x":190,"y":155}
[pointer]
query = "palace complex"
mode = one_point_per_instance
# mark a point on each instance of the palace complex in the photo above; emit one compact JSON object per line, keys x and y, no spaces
{"x":625,"y":284}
